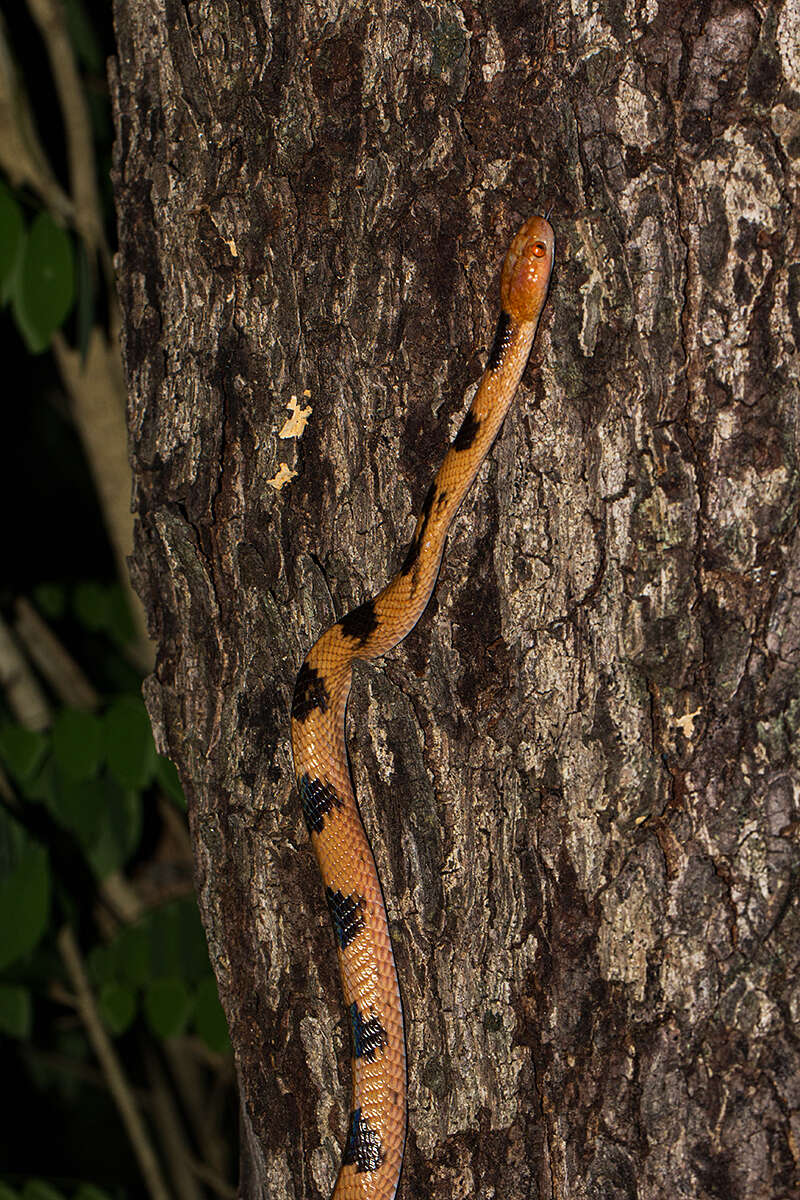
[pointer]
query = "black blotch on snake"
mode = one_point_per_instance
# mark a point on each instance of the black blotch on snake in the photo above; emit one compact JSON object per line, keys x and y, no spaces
{"x":360,"y":623}
{"x":317,"y":799}
{"x":500,"y":341}
{"x":414,"y":548}
{"x":368,"y":1036}
{"x":310,"y":692}
{"x":347,"y":914}
{"x":363,"y":1149}
{"x":467,"y":433}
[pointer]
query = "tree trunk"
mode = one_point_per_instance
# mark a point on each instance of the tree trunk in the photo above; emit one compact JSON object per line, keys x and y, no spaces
{"x":580,"y":772}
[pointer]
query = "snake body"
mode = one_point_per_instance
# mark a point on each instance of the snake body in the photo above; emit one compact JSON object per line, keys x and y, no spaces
{"x":373,"y":1153}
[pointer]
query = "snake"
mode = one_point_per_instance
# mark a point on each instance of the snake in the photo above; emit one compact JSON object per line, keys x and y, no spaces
{"x":375,"y":1144}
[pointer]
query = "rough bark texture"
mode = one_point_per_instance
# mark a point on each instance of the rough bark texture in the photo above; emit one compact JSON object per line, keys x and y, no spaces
{"x":580,"y":773}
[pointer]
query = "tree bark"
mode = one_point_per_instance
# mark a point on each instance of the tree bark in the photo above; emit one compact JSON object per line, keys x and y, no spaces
{"x":580,"y":772}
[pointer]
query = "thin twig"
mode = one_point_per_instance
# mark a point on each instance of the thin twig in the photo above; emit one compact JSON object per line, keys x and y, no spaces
{"x":49,"y":15}
{"x":21,"y":153}
{"x":111,"y":1066}
{"x":53,"y":659}
{"x":24,"y":697}
{"x":210,"y":1177}
{"x":197,"y":1102}
{"x":97,"y":391}
{"x":170,"y":1131}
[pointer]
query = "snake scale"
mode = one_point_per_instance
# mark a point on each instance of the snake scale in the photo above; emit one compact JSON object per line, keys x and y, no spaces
{"x":373,"y":1153}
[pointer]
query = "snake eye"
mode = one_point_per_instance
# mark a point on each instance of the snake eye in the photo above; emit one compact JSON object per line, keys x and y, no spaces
{"x":538,"y":249}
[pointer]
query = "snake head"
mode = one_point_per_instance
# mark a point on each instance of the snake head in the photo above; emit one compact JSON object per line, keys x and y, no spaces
{"x":526,"y":271}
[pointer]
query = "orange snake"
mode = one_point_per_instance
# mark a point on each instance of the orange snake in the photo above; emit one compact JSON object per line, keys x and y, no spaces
{"x":373,"y":1154}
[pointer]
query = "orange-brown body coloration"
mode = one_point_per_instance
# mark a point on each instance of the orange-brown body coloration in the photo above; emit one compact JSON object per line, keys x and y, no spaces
{"x":374,"y":1152}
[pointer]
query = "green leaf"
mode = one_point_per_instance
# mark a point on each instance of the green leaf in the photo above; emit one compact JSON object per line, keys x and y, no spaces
{"x":119,"y":622}
{"x":77,"y":743}
{"x":16,"y":1011}
{"x":12,"y":844}
{"x":12,"y":239}
{"x":90,"y":605}
{"x":44,"y":786}
{"x":84,"y":39}
{"x":50,"y":599}
{"x":209,"y":1018}
{"x":167,"y":1005}
{"x":125,"y":960}
{"x":130,"y":749}
{"x":80,"y":806}
{"x":117,"y":1006}
{"x":121,"y":829}
{"x":191,"y":940}
{"x":37,"y":1189}
{"x":103,"y":131}
{"x":24,"y":903}
{"x":132,"y":952}
{"x":101,"y":964}
{"x":104,"y":608}
{"x":6,"y":1193}
{"x":46,"y":282}
{"x":22,"y":751}
{"x":163,"y":929}
{"x":35,"y":343}
{"x":167,"y":776}
{"x":87,"y":1191}
{"x":177,"y":941}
